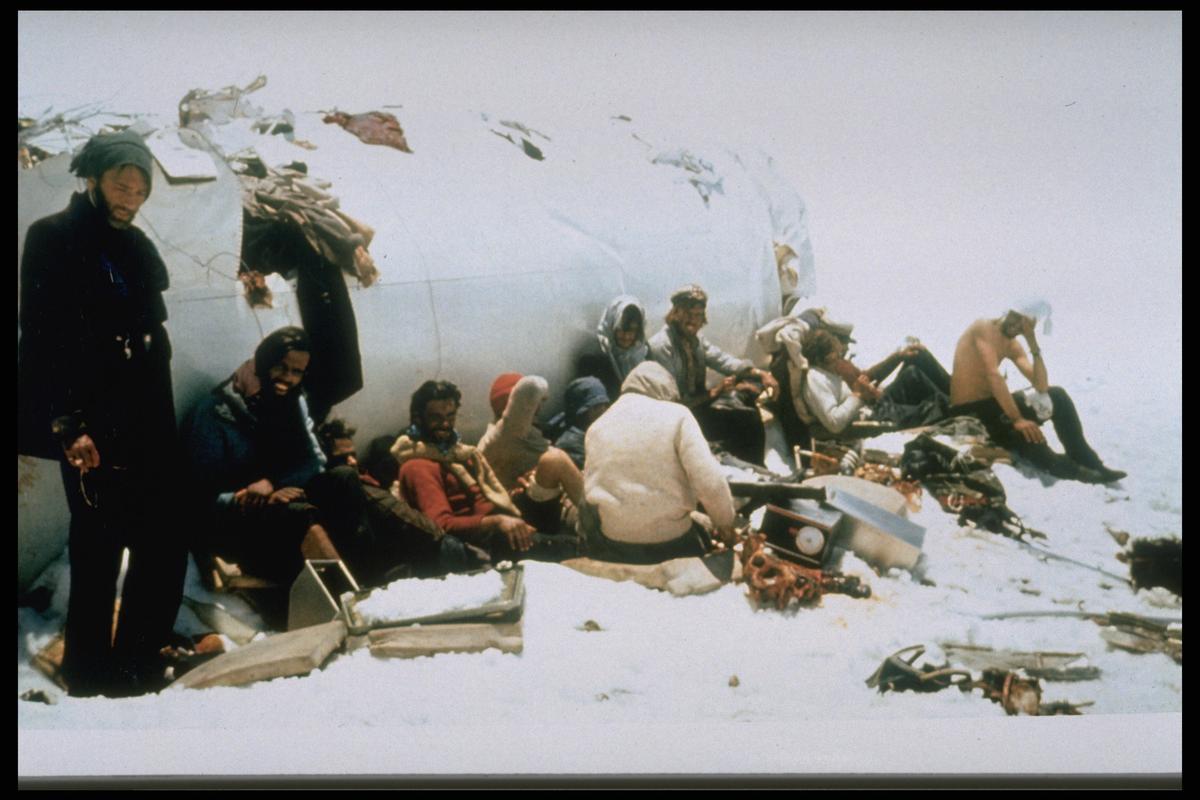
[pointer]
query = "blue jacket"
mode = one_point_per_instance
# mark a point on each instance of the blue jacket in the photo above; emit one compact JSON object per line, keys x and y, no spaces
{"x":229,"y":447}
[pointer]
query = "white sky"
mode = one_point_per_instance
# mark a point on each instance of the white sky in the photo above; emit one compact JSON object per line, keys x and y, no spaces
{"x":951,"y":162}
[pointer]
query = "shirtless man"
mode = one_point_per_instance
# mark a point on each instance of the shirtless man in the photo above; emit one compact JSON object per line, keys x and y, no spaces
{"x":978,"y":389}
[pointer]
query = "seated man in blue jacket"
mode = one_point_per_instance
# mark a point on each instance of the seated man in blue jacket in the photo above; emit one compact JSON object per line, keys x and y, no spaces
{"x":252,"y":450}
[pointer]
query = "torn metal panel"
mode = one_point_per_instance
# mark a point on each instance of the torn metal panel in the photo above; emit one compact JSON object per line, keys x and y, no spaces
{"x":200,"y":105}
{"x":1048,"y":666}
{"x":881,"y":538}
{"x":182,"y":162}
{"x":463,"y":637}
{"x":280,"y":656}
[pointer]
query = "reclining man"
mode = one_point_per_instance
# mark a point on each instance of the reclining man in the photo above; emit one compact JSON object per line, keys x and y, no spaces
{"x":648,"y":466}
{"x":978,"y":389}
{"x":252,"y":451}
{"x":727,"y":413}
{"x":454,"y":485}
{"x":837,"y":393}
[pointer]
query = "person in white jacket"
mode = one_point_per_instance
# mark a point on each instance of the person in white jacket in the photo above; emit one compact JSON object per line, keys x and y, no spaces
{"x":648,"y":466}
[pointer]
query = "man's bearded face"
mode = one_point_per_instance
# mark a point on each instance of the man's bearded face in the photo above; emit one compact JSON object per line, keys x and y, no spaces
{"x":439,"y":419}
{"x":120,"y":192}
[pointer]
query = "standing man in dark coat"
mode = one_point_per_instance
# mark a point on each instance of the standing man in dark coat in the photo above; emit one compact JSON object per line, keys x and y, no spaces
{"x":94,"y":377}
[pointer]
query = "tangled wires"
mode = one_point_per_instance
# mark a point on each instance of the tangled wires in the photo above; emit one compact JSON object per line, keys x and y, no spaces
{"x":776,"y":582}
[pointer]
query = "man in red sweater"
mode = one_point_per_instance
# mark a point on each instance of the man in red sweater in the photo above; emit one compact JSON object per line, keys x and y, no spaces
{"x":451,"y":482}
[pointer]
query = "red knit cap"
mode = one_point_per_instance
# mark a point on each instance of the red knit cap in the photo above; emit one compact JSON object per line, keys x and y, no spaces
{"x":501,"y":388}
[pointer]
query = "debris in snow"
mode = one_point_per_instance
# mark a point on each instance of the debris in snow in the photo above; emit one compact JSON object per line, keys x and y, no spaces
{"x":1017,"y":693}
{"x":279,"y":656}
{"x":530,"y":149}
{"x":427,"y":640}
{"x":590,"y":626}
{"x":38,"y":696}
{"x":1048,"y":666}
{"x":900,"y":674}
{"x":1119,"y":536}
{"x":773,"y":581}
{"x":372,"y":127}
{"x":414,"y":597}
{"x":1157,"y":562}
{"x":526,"y":145}
{"x":734,"y":682}
{"x":1062,"y":708}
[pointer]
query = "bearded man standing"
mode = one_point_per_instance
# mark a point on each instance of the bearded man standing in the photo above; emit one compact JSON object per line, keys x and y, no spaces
{"x":94,"y":389}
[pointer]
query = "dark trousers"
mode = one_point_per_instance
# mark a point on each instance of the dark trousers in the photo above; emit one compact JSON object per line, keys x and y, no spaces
{"x":735,"y":426}
{"x":925,"y":362}
{"x":795,"y":430}
{"x":919,"y":395}
{"x":1066,"y":425}
{"x":694,"y":542}
{"x":374,"y":532}
{"x":122,"y":510}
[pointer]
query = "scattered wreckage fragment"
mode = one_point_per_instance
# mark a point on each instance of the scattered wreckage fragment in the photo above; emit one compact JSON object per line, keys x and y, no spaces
{"x":1132,"y":632}
{"x":372,"y":127}
{"x":773,"y":581}
{"x":1155,"y":562}
{"x":1016,"y":693}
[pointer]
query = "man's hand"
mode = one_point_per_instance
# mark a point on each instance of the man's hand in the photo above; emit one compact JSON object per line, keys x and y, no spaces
{"x":256,"y":494}
{"x":864,"y":388}
{"x":724,"y":386}
{"x":770,"y":385}
{"x":82,"y":454}
{"x":727,"y":535}
{"x":1028,"y":330}
{"x":1030,"y":430}
{"x":288,"y":494}
{"x":516,"y":531}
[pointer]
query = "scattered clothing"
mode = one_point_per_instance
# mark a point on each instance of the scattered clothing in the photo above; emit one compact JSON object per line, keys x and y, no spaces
{"x":373,"y":127}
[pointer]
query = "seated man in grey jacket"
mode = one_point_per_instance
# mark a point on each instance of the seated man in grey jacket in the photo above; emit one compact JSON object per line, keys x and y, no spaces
{"x":648,"y":466}
{"x":727,"y":412}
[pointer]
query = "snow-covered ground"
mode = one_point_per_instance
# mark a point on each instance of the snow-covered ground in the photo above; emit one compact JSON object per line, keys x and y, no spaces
{"x":660,"y":660}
